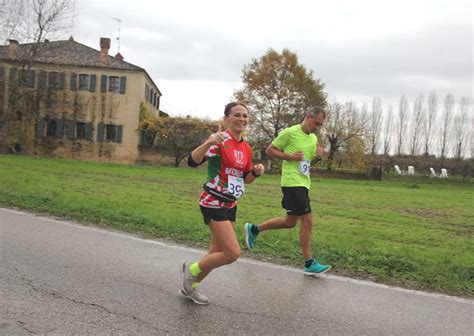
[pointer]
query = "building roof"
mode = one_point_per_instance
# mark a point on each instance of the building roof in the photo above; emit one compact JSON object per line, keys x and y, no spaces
{"x":67,"y":52}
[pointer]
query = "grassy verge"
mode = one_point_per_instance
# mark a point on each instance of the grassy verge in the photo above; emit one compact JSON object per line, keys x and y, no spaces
{"x":417,"y":234}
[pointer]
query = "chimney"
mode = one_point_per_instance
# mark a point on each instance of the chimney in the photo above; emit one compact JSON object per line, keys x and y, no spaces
{"x":13,"y":48}
{"x":119,"y":56}
{"x":104,"y":50}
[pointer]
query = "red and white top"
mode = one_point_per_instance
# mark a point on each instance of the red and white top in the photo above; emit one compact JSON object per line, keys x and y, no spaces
{"x":228,"y":163}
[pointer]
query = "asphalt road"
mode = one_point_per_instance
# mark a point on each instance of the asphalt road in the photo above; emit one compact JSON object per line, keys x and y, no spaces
{"x":59,"y":277}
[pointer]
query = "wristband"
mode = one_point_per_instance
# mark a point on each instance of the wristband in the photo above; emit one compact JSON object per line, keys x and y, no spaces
{"x":255,"y":175}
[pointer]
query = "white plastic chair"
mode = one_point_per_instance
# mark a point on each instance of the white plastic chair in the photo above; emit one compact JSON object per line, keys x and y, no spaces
{"x":433,"y":173}
{"x":444,"y":173}
{"x":397,"y":170}
{"x":411,"y":170}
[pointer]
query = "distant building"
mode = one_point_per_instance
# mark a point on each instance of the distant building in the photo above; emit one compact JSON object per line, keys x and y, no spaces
{"x":72,"y":101}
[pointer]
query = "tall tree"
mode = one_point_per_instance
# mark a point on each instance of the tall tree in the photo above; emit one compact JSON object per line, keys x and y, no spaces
{"x":446,"y":121}
{"x":278,"y":91}
{"x":402,"y":121}
{"x":343,"y":128}
{"x":462,"y":128}
{"x":388,"y":130}
{"x":416,"y":125}
{"x":429,"y":122}
{"x":375,"y":125}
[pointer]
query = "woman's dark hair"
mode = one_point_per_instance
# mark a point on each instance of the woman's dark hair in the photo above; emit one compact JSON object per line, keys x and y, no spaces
{"x":229,"y":106}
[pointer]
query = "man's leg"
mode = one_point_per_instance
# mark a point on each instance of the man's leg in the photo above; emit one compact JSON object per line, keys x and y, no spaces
{"x":287,"y":222}
{"x":306,"y":235}
{"x":251,"y":230}
{"x":311,"y":266}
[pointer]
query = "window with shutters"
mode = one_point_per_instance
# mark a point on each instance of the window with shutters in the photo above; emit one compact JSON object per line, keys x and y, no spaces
{"x":114,"y":84}
{"x":51,"y":127}
{"x":40,"y":127}
{"x":42,"y":79}
{"x":53,"y":80}
{"x":27,"y":77}
{"x":110,"y":132}
{"x":84,"y":82}
{"x":80,"y":130}
{"x":146,"y":139}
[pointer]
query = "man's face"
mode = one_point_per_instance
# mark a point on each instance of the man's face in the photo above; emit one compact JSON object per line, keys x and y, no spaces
{"x":317,"y":122}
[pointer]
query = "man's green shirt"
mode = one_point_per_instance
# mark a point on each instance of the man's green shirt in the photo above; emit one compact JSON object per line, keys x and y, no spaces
{"x":290,"y":141}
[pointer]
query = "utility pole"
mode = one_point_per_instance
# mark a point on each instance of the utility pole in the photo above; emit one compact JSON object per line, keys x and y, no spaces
{"x":118,"y":38}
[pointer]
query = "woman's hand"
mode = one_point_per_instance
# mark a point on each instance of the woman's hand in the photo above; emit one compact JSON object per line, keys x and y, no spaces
{"x":258,"y":169}
{"x":216,"y":138}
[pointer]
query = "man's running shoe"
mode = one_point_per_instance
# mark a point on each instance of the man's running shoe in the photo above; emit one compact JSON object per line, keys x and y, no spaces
{"x":316,"y":268}
{"x":249,"y":236}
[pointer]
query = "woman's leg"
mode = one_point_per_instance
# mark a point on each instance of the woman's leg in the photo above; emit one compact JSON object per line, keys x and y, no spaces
{"x":213,"y":248}
{"x":224,"y":248}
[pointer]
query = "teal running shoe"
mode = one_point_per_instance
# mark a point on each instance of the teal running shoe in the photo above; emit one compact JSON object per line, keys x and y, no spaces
{"x":316,"y":268}
{"x":249,"y":236}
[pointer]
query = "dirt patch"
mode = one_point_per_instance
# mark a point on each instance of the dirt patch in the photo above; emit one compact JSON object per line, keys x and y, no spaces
{"x":425,"y":213}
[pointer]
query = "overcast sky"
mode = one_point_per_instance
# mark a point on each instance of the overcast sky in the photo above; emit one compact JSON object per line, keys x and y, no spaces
{"x":195,"y":50}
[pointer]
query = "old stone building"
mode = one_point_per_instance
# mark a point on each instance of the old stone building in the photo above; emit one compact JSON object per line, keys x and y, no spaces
{"x":65,"y":99}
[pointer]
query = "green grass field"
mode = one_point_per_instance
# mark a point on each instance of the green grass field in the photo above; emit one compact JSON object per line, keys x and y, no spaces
{"x":413,"y":233}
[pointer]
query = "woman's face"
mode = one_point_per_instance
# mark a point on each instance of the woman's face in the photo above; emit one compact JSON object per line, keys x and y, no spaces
{"x":237,"y":119}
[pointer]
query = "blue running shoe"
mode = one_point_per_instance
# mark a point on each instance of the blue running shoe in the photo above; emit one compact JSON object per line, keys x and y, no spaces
{"x":316,"y":268}
{"x":249,"y":236}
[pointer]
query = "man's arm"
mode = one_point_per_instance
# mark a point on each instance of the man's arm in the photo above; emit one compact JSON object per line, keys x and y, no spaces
{"x":276,"y":153}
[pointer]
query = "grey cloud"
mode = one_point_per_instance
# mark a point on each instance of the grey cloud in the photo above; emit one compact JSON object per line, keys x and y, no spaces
{"x":394,"y":65}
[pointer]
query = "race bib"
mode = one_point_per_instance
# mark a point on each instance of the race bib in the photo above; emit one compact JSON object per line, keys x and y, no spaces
{"x":235,"y":186}
{"x":304,"y":167}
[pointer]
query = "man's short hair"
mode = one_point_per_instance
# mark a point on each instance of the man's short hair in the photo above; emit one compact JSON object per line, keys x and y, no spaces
{"x":314,"y":111}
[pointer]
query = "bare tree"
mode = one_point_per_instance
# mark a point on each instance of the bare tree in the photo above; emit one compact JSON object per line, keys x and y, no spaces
{"x":462,"y":128}
{"x":343,"y":125}
{"x":375,"y":125}
{"x":29,"y":21}
{"x":402,"y":121}
{"x":429,"y":122}
{"x":446,"y":122}
{"x":416,"y":125}
{"x":388,"y":130}
{"x":34,"y":20}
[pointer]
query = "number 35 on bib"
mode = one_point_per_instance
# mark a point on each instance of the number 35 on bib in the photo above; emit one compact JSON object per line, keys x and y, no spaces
{"x":235,"y":186}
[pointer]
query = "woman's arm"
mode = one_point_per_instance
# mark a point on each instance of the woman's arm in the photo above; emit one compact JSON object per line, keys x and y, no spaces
{"x":197,"y":155}
{"x":257,"y":171}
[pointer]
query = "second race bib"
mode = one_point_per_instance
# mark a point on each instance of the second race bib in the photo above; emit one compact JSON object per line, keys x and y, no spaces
{"x":304,"y":167}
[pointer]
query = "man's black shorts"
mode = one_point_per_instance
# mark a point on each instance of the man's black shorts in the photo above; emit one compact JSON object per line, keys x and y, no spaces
{"x":296,"y":201}
{"x":218,"y":214}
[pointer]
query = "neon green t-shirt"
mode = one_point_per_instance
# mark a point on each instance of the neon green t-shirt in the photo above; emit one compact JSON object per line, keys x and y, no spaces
{"x":290,"y":141}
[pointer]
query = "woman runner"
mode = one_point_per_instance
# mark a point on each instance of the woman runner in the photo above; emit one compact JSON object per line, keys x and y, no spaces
{"x":229,"y":169}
